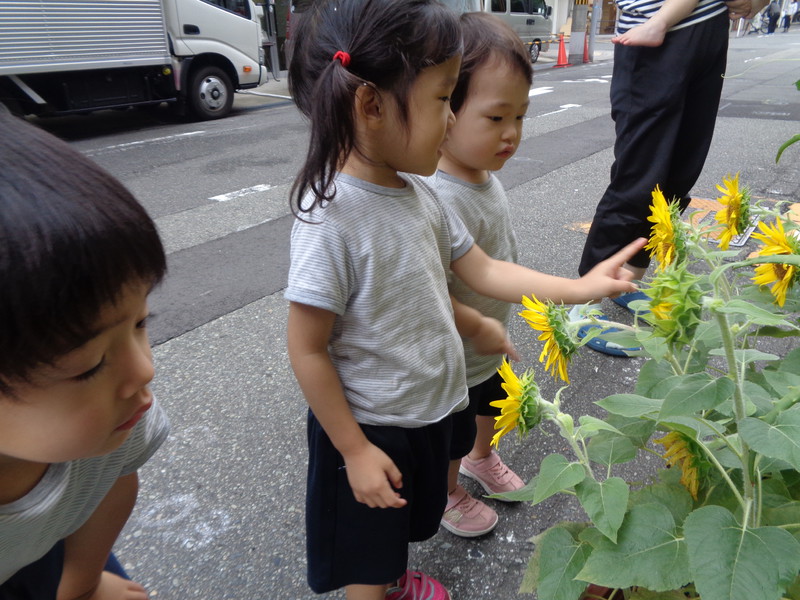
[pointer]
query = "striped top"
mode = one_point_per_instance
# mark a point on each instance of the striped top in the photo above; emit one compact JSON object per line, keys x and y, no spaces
{"x":636,"y":12}
{"x":69,"y":493}
{"x":484,"y":210}
{"x":377,"y":257}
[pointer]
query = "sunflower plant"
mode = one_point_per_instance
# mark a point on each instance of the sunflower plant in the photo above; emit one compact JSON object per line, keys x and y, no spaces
{"x":718,"y":399}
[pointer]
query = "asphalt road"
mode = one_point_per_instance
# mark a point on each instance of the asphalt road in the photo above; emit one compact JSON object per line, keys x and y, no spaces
{"x":220,"y":514}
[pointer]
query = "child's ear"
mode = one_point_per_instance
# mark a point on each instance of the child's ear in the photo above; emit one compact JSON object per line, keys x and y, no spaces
{"x":369,"y":105}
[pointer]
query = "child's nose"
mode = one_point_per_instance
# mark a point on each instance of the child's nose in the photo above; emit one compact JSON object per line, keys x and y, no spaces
{"x":451,"y":118}
{"x":139,"y":369}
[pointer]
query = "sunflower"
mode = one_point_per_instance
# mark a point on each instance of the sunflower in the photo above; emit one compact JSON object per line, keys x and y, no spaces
{"x":683,"y":451}
{"x":736,"y":214}
{"x":552,"y":321}
{"x":666,"y":237}
{"x":521,"y":409}
{"x":779,"y":276}
{"x":676,"y":301}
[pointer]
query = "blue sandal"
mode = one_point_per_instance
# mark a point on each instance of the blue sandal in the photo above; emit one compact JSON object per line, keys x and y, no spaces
{"x":600,"y":344}
{"x":624,"y":300}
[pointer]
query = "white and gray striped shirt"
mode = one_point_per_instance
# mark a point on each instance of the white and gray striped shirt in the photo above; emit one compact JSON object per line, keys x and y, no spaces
{"x":69,"y":493}
{"x":485,"y":212}
{"x":377,"y":257}
{"x":636,"y":12}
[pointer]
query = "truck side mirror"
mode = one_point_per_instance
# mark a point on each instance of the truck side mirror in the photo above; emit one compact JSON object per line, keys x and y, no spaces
{"x":549,"y":10}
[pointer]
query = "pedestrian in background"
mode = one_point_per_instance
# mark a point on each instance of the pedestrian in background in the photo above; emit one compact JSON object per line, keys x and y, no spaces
{"x":774,"y":14}
{"x":789,"y":14}
{"x":664,"y":103}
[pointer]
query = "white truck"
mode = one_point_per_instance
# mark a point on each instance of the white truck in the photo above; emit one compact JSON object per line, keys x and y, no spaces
{"x":531,"y":19}
{"x":83,"y":55}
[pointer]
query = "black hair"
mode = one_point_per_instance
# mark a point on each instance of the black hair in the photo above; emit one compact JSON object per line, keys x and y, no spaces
{"x":389,"y":42}
{"x":486,"y":37}
{"x":72,"y":238}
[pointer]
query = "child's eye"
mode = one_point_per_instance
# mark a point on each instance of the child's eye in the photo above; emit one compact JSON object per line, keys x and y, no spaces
{"x":520,"y":117}
{"x":92,"y":372}
{"x":444,"y":98}
{"x":143,"y":323}
{"x":496,"y":119}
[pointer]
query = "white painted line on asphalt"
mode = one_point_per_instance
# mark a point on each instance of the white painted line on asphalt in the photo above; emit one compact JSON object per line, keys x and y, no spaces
{"x":562,"y":109}
{"x":593,"y":80}
{"x":166,"y":138}
{"x":243,"y":192}
{"x":539,"y":91}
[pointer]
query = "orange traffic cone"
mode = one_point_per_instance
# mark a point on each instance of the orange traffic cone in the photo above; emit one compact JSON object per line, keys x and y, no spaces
{"x":586,"y":48}
{"x":562,"y":54}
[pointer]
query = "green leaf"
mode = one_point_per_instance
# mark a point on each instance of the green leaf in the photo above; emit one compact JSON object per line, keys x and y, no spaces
{"x":630,"y":405}
{"x":561,"y":557}
{"x":649,"y":552}
{"x":556,"y":474}
{"x":783,"y":382}
{"x":746,"y":355}
{"x":791,"y":362}
{"x":592,"y":425}
{"x":645,"y":594}
{"x":670,"y":494}
{"x":696,"y":393}
{"x":780,"y":439}
{"x":758,"y":316}
{"x":786,"y":144}
{"x":729,"y":562}
{"x":652,"y":373}
{"x":611,"y":449}
{"x":605,"y":502}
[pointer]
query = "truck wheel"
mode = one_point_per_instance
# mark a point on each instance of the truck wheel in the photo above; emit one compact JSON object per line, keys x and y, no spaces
{"x":210,"y":94}
{"x":536,"y":47}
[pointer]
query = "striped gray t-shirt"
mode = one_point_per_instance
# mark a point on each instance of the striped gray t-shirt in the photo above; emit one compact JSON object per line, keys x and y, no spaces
{"x":69,"y":493}
{"x":636,"y":12}
{"x":484,"y":210}
{"x":377,"y":257}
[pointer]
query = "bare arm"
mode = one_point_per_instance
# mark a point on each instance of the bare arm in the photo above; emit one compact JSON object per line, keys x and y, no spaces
{"x":488,"y":335}
{"x":509,"y":282}
{"x":370,"y":472}
{"x":86,"y":551}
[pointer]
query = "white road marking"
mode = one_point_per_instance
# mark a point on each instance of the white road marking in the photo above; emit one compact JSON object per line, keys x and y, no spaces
{"x":166,"y":138}
{"x":539,"y":91}
{"x":562,"y":109}
{"x":243,"y":192}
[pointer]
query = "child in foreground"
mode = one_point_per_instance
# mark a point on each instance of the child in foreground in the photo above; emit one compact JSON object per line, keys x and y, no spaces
{"x":371,"y":334}
{"x":652,"y":32}
{"x":78,"y":257}
{"x":490,"y":101}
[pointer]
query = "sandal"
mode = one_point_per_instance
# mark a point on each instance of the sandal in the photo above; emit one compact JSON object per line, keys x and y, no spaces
{"x":624,"y":300}
{"x":600,"y":344}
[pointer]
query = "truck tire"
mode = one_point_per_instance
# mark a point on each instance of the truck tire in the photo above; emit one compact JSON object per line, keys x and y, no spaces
{"x":210,"y":94}
{"x":536,"y":48}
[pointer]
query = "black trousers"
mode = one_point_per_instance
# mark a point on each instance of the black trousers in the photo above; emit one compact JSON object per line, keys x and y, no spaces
{"x":664,"y":104}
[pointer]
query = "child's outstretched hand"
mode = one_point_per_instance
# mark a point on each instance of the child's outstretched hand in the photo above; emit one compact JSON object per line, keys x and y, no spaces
{"x":373,"y":477}
{"x":610,"y":278}
{"x":491,"y":337}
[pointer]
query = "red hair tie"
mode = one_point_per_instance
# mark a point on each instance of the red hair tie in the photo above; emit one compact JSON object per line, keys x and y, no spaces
{"x":344,"y":57}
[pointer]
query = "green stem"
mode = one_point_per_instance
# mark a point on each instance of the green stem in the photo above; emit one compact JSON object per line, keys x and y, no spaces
{"x":738,"y":404}
{"x":724,"y":473}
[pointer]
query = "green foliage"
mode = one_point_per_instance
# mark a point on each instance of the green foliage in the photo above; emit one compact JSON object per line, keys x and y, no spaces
{"x":719,"y":398}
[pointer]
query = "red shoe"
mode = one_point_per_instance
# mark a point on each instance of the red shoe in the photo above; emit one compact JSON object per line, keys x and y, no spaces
{"x":417,"y":586}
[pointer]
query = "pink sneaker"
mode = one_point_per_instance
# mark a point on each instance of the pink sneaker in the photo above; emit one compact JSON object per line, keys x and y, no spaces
{"x":467,"y":517}
{"x":417,"y":586}
{"x":492,"y":473}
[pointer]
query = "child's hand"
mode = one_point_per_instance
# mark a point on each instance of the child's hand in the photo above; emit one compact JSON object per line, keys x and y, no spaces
{"x":372,"y":475}
{"x":492,"y":338}
{"x":610,"y":278}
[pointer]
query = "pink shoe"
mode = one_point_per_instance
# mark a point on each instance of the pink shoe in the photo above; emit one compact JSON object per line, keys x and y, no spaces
{"x":417,"y":586}
{"x":467,"y":517}
{"x":492,"y":473}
